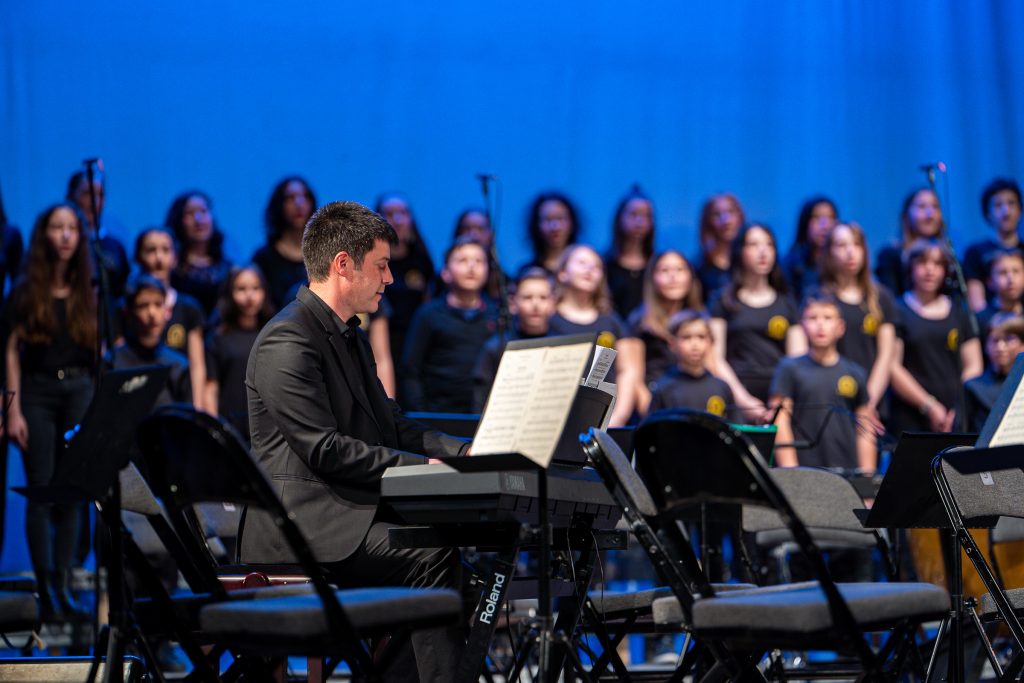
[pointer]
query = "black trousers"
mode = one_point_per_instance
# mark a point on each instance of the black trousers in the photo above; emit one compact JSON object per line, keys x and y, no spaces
{"x":51,"y":407}
{"x":436,"y":650}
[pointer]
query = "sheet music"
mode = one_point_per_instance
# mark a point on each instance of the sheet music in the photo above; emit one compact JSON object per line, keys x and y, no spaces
{"x":1006,"y":421}
{"x":603,"y":358}
{"x":530,"y":401}
{"x":1011,"y":428}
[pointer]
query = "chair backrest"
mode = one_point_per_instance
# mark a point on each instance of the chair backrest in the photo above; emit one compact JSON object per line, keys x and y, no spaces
{"x":192,"y":457}
{"x":987,"y":494}
{"x":687,"y":458}
{"x":822,"y":499}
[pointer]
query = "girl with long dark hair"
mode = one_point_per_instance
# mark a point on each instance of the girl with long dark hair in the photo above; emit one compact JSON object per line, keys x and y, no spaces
{"x":51,"y":359}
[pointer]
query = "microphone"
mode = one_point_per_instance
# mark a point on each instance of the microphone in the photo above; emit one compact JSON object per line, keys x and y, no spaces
{"x":930,"y":169}
{"x":485,"y":179}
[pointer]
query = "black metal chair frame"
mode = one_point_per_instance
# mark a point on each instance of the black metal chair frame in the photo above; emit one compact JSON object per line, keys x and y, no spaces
{"x":994,"y":463}
{"x":181,"y":478}
{"x":733,"y":471}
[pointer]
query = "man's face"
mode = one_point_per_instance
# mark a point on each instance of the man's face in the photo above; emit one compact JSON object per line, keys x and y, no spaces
{"x":367,"y":282}
{"x":149,"y":316}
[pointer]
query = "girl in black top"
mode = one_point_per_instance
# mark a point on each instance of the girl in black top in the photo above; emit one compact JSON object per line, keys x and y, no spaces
{"x":800,"y":265}
{"x":202,"y":267}
{"x":584,"y":305}
{"x":721,"y":218}
{"x":753,"y":321}
{"x":473,"y":223}
{"x":291,"y":204}
{"x":552,"y":225}
{"x":670,"y":285}
{"x":938,"y":351}
{"x":244,"y":308}
{"x":866,"y":307}
{"x":632,"y":246}
{"x":920,"y":217}
{"x":51,"y":356}
{"x":156,"y":254}
{"x":411,"y":268}
{"x":112,"y":253}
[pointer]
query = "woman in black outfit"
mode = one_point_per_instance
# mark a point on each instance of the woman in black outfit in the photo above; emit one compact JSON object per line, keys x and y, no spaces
{"x":411,"y":267}
{"x":920,"y":218}
{"x":291,"y":204}
{"x":632,"y":247}
{"x":817,"y":216}
{"x":202,"y":268}
{"x":51,"y":356}
{"x":552,"y":225}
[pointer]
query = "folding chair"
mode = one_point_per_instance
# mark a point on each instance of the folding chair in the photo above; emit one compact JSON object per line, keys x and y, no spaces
{"x":977,"y":487}
{"x":675,"y":565}
{"x":824,"y":501}
{"x":193,"y":458}
{"x":687,"y":458}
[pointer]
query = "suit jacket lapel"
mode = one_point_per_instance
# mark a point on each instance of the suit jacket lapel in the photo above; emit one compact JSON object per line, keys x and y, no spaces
{"x":353,"y":376}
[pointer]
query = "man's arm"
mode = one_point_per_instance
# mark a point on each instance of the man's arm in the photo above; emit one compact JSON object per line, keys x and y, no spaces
{"x":287,"y":376}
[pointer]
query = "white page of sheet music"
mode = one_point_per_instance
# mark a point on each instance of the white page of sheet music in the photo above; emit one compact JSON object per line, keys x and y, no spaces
{"x":1011,"y":423}
{"x":603,"y":358}
{"x":530,"y":401}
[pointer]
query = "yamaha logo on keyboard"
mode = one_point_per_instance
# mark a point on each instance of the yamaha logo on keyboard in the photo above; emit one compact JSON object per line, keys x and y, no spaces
{"x":515,"y":482}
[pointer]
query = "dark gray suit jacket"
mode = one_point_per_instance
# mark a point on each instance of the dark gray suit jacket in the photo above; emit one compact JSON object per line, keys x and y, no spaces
{"x":323,"y":434}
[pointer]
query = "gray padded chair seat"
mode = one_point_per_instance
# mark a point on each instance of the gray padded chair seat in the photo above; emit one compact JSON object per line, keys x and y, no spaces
{"x":18,"y":611}
{"x":988,"y":605}
{"x":616,"y":604}
{"x":300,"y":618}
{"x":187,"y":607}
{"x":802,"y":608}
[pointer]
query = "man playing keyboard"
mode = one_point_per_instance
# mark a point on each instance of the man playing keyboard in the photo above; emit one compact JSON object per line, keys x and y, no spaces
{"x":324,"y":430}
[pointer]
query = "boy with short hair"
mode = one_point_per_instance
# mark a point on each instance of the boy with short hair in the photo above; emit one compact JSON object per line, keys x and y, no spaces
{"x":1001,"y":207}
{"x":145,"y":316}
{"x":532,"y":306}
{"x":446,"y":335}
{"x":689,"y":384}
{"x":1006,"y":280}
{"x":810,"y":387}
{"x":1004,"y":340}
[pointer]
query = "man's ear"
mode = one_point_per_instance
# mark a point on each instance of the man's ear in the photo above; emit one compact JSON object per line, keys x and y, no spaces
{"x":446,"y":275}
{"x":342,"y":264}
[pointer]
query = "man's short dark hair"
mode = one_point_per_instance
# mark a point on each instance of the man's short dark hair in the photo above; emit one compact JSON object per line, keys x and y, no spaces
{"x":341,"y":226}
{"x":993,"y":188}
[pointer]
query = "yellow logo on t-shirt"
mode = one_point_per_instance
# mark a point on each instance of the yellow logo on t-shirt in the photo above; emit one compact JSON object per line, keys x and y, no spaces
{"x":953,"y":339}
{"x":176,"y":336}
{"x":870,"y":325}
{"x":846,"y":387}
{"x":715,"y":405}
{"x":777,"y":327}
{"x":606,"y":339}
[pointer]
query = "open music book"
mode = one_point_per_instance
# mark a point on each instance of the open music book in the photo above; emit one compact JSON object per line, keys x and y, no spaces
{"x":1005,"y":424}
{"x":532,"y":395}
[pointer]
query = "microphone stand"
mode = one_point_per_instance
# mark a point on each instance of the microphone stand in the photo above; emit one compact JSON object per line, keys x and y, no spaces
{"x":103,"y":310}
{"x":502,"y":281}
{"x":118,"y":622}
{"x":960,"y":288}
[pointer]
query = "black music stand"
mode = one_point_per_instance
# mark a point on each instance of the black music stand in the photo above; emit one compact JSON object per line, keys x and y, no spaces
{"x":907,"y":499}
{"x":98,"y":450}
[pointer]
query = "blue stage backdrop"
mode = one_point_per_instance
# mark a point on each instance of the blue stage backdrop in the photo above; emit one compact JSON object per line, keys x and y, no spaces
{"x":772,"y":100}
